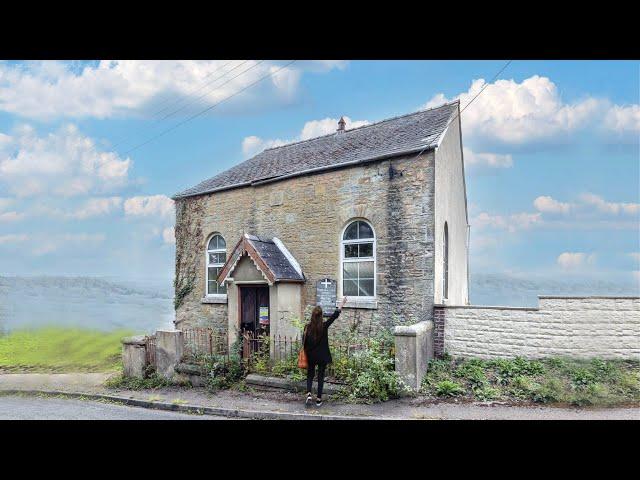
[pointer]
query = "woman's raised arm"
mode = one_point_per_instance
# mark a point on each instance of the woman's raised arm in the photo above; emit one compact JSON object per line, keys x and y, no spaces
{"x":336,"y":314}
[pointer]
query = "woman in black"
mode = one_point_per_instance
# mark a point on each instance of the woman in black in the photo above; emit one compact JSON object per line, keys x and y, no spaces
{"x":316,"y":346}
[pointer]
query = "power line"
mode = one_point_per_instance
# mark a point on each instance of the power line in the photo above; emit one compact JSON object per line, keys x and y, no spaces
{"x":206,"y":93}
{"x":192,"y":91}
{"x":208,"y":108}
{"x":127,"y":138}
{"x":472,"y":100}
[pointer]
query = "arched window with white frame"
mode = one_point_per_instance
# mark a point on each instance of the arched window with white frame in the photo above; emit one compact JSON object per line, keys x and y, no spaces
{"x":216,"y":258}
{"x":358,"y":258}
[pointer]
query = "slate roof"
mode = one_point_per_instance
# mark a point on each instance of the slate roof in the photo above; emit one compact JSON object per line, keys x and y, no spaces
{"x":271,"y":257}
{"x":409,"y":133}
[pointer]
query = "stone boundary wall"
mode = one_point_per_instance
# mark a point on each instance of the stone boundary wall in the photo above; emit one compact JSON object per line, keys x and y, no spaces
{"x":578,"y":327}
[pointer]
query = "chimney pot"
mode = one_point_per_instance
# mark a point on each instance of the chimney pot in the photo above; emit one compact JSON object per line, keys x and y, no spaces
{"x":341,"y":125}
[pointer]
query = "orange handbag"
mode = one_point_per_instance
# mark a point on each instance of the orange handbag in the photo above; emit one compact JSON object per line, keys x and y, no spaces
{"x":302,"y":355}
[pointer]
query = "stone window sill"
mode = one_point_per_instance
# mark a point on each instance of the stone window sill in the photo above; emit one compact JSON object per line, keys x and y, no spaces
{"x":364,"y":304}
{"x":214,"y":299}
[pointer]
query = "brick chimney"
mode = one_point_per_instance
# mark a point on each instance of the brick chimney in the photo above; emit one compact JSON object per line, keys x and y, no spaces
{"x":341,"y":125}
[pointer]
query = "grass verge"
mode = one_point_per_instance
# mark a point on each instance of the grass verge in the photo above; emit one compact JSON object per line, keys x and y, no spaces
{"x":559,"y":381}
{"x":59,"y":350}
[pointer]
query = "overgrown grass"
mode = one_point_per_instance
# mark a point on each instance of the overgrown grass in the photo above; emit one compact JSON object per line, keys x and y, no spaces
{"x":561,"y":381}
{"x":61,"y":350}
{"x":151,"y":382}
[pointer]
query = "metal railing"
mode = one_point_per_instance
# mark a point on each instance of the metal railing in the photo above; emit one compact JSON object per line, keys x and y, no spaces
{"x":279,"y":354}
{"x":198,"y":341}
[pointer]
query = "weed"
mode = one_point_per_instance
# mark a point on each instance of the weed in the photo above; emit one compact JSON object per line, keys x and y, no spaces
{"x":447,"y":388}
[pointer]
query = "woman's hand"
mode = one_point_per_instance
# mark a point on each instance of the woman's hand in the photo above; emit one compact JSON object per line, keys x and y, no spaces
{"x":344,"y":300}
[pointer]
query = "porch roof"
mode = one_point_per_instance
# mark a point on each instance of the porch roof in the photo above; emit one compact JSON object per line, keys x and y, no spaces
{"x":270,"y":256}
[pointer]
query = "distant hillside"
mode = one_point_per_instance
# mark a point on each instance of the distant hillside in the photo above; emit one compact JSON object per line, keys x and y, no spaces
{"x":508,"y":290}
{"x":98,"y":303}
{"x":146,"y":305}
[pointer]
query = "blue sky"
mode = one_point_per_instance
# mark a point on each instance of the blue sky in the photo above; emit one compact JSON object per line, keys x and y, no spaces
{"x":552,"y":153}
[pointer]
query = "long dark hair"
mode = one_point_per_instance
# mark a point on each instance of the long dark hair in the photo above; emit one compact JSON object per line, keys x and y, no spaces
{"x":315,"y":326}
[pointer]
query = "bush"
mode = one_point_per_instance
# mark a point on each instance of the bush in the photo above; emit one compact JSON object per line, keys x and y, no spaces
{"x":551,"y":390}
{"x":150,"y":382}
{"x":447,"y":388}
{"x":371,"y":375}
{"x":554,"y":380}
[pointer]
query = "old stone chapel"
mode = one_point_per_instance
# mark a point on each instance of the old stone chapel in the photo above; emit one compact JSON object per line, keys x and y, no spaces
{"x":377,"y":213}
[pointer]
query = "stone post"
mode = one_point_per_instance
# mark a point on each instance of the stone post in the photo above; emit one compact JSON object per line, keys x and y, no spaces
{"x":134,"y":356}
{"x":169,"y":350}
{"x":414,"y":349}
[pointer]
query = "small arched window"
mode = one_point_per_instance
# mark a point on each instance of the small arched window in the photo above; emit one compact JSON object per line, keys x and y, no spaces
{"x":445,"y":263}
{"x":358,"y":260}
{"x":216,"y":258}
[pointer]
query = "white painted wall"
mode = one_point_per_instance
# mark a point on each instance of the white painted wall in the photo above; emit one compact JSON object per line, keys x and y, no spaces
{"x":579,"y":327}
{"x":451,"y":206}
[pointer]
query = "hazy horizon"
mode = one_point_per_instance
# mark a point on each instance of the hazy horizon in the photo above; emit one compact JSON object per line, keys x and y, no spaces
{"x":143,"y":305}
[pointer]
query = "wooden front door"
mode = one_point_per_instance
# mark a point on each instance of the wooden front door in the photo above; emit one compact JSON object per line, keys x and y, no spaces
{"x":254,"y":309}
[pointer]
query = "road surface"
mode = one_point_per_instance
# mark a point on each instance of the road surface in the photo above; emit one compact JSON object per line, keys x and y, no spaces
{"x":47,"y":408}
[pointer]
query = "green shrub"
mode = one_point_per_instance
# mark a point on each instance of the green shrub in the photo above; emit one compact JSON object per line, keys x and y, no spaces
{"x":524,"y":387}
{"x":151,"y":382}
{"x":447,"y":388}
{"x":628,"y":383}
{"x":486,"y":393}
{"x":473,"y":373}
{"x":551,"y":390}
{"x":582,"y":377}
{"x":371,"y":374}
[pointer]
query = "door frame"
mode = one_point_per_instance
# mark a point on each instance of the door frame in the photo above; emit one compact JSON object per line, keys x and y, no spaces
{"x":242,"y":286}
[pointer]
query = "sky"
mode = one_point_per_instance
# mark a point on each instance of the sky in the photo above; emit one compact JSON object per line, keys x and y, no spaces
{"x":92,"y":151}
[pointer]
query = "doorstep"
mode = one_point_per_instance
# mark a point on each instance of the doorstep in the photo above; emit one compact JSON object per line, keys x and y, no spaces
{"x":287,"y":384}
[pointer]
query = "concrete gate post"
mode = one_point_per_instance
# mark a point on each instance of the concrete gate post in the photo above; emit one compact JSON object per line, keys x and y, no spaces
{"x":169,"y":350}
{"x":414,"y":349}
{"x":134,"y":356}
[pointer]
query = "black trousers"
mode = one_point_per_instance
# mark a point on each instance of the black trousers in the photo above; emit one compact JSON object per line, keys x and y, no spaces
{"x":311,"y":370}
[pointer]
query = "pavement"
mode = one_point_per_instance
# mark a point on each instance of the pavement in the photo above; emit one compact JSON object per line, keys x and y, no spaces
{"x":20,"y":407}
{"x":257,"y":403}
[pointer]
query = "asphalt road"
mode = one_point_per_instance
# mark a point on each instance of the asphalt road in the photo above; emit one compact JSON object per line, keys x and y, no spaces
{"x":33,"y":408}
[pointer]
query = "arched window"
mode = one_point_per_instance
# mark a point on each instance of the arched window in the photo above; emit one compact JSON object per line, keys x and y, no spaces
{"x":445,"y":263}
{"x":358,"y":260}
{"x":216,"y":257}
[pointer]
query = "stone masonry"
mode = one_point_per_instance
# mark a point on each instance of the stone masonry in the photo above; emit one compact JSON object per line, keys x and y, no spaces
{"x":579,"y":327}
{"x":308,"y":213}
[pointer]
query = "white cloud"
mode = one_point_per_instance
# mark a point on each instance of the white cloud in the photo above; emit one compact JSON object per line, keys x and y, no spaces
{"x":623,"y":119}
{"x":5,"y":203}
{"x":532,"y":111}
{"x":314,"y":128}
{"x":489,"y":160}
{"x":13,"y":238}
{"x":154,"y":205}
{"x":119,"y":87}
{"x":588,"y":205}
{"x":613,"y":208}
{"x":547,"y":204}
{"x":512,"y":223}
{"x":252,"y":145}
{"x":95,"y":207}
{"x":11,"y":216}
{"x":169,"y":235}
{"x":573,"y":260}
{"x":68,"y":241}
{"x":64,"y":163}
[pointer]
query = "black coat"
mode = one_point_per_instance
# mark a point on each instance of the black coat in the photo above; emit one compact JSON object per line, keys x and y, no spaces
{"x":317,"y":349}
